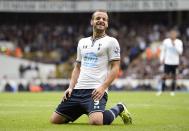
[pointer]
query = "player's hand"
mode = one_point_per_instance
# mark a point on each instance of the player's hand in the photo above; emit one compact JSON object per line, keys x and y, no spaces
{"x":98,"y":93}
{"x":67,"y":94}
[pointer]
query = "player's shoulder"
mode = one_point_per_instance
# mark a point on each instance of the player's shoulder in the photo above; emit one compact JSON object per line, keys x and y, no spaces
{"x":179,"y":40}
{"x":167,"y":40}
{"x":84,"y":39}
{"x":111,"y":39}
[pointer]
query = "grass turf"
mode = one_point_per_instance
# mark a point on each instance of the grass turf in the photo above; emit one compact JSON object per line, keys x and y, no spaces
{"x":31,"y":112}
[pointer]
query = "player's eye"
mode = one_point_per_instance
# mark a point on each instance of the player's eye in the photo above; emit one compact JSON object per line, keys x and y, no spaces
{"x":97,"y":18}
{"x":104,"y":19}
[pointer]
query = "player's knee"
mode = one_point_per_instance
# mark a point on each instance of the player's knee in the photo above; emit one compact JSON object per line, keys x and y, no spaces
{"x":96,"y":118}
{"x":57,"y":119}
{"x":52,"y":121}
{"x":95,"y":122}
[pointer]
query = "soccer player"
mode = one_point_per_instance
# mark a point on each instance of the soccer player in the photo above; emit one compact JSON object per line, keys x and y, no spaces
{"x":97,"y":65}
{"x":171,"y":51}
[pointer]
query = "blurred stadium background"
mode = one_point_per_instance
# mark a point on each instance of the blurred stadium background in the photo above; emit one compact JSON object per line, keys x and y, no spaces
{"x":38,"y":40}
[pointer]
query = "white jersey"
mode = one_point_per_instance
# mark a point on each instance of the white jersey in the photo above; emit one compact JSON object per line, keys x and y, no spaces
{"x":95,"y":56}
{"x":170,"y":52}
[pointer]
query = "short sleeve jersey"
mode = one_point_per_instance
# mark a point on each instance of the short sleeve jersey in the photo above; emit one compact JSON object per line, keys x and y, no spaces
{"x":170,"y":53}
{"x":95,"y":56}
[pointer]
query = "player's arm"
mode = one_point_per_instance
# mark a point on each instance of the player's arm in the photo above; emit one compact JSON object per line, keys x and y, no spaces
{"x":98,"y":93}
{"x":115,"y":64}
{"x":76,"y":70}
{"x":73,"y":80}
{"x":179,"y":48}
{"x":74,"y":75}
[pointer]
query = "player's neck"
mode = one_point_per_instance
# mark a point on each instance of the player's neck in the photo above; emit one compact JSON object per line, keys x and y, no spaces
{"x":98,"y":35}
{"x":173,"y":39}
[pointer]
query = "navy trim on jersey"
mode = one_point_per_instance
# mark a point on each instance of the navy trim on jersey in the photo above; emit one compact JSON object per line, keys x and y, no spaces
{"x":78,"y":62}
{"x":94,"y":39}
{"x":115,"y":59}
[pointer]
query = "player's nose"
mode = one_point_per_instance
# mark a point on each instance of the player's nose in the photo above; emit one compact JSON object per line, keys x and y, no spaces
{"x":101,"y":19}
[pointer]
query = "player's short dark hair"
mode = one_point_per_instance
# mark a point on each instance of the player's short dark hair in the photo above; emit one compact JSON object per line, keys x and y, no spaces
{"x":99,"y":10}
{"x":173,"y":28}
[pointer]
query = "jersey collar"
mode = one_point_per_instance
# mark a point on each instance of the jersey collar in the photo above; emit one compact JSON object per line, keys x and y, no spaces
{"x":97,"y":38}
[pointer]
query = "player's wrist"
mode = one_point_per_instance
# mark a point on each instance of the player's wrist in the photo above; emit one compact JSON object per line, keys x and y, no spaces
{"x":105,"y":86}
{"x":70,"y":88}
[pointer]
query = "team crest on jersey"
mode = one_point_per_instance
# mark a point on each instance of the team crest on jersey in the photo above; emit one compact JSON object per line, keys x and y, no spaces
{"x":84,"y":46}
{"x":99,"y":45}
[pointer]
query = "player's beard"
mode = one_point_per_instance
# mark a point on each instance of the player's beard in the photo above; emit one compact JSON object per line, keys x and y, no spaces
{"x":99,"y":30}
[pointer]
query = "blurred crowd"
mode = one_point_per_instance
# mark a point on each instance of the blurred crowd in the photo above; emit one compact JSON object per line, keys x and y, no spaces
{"x":47,"y":43}
{"x":147,"y":64}
{"x":56,"y":43}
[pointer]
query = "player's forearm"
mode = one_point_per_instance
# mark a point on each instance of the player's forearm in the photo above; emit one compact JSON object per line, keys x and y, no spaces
{"x":179,"y":50}
{"x":112,"y":74}
{"x":74,"y":76}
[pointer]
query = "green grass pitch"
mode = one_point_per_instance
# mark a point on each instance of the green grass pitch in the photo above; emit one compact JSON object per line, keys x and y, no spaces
{"x":31,"y":112}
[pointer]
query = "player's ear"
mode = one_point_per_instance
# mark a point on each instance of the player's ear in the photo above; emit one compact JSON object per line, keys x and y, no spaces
{"x":92,"y":22}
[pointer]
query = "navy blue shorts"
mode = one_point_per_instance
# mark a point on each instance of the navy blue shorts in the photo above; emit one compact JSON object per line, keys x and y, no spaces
{"x":170,"y":69}
{"x":80,"y":103}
